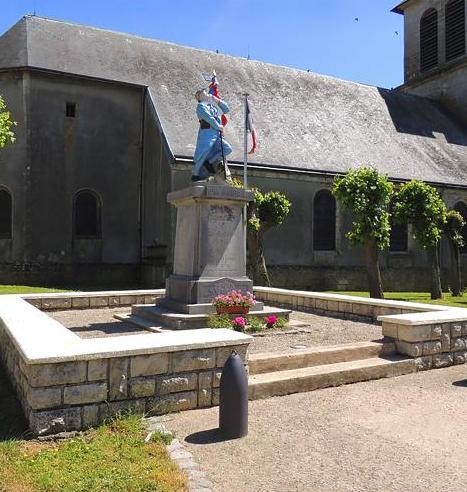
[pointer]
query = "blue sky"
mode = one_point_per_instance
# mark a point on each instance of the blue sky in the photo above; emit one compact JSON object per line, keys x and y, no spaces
{"x":318,"y":35}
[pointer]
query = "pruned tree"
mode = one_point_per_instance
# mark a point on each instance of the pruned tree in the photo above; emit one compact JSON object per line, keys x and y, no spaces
{"x":453,"y":231}
{"x":7,"y":135}
{"x":366,"y":194}
{"x":268,"y":210}
{"x":421,"y":205}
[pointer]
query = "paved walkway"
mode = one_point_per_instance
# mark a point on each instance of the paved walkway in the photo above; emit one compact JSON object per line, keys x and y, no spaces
{"x":401,"y":434}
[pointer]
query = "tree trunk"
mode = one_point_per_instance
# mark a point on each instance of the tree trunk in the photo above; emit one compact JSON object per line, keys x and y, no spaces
{"x":256,"y":257}
{"x":372,"y":267}
{"x":456,"y":270}
{"x":436,"y":292}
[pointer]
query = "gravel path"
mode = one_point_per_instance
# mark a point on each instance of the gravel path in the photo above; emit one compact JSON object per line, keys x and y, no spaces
{"x":317,"y":330}
{"x":320,"y":330}
{"x":96,"y":323}
{"x":399,"y":434}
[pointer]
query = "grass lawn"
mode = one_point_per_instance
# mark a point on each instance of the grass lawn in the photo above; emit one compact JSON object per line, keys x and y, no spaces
{"x":113,"y":457}
{"x":448,"y":299}
{"x":25,"y":289}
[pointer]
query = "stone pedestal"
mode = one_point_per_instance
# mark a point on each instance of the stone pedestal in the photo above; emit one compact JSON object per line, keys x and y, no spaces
{"x":209,"y":257}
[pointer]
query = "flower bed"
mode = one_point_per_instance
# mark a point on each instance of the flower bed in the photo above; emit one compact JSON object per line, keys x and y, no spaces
{"x":234,"y":302}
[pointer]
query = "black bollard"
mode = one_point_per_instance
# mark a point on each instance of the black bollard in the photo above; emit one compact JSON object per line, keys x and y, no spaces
{"x":233,"y":399}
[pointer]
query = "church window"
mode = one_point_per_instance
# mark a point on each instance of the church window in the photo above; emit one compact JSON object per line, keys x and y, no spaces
{"x":455,"y":29}
{"x":70,"y":110}
{"x":399,"y":236}
{"x":5,"y":214}
{"x":87,"y":215}
{"x":461,"y":207}
{"x":429,"y":40}
{"x":324,"y":221}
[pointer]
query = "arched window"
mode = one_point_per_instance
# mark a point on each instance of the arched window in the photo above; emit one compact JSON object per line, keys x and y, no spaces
{"x":461,"y":207}
{"x":455,"y":29}
{"x":5,"y":214}
{"x":429,"y":40}
{"x":87,"y":215}
{"x":399,"y":237}
{"x":324,"y":221}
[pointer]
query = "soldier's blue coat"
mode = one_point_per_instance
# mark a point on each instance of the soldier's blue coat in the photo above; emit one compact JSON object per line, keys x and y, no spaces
{"x":208,"y":145}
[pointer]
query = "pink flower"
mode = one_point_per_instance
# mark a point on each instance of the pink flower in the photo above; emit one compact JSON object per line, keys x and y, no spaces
{"x":239,"y":323}
{"x":270,"y":321}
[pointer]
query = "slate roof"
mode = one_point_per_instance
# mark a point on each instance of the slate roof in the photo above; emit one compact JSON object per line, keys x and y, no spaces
{"x":304,"y":120}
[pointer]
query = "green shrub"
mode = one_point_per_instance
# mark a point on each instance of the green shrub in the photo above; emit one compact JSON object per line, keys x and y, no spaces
{"x":219,"y":321}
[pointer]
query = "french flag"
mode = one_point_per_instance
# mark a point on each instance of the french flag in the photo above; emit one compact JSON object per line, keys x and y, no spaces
{"x":214,"y":91}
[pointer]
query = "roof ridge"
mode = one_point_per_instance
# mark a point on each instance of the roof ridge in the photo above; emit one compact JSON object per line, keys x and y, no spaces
{"x":171,"y":43}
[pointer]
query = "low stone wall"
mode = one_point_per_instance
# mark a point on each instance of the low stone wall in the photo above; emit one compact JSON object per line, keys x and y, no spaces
{"x":433,"y":339}
{"x":90,"y":300}
{"x":339,"y":305}
{"x":435,"y":336}
{"x":67,"y":383}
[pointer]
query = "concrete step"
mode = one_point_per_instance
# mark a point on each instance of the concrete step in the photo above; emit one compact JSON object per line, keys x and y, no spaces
{"x":323,"y":376}
{"x":140,"y":322}
{"x":270,"y":362}
{"x":160,"y":316}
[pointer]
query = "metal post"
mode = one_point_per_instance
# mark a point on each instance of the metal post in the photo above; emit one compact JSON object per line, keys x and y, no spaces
{"x":245,"y":171}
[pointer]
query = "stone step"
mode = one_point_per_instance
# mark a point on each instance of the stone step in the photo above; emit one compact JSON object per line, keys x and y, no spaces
{"x":140,"y":322}
{"x":270,"y":362}
{"x":282,"y":383}
{"x":160,"y":316}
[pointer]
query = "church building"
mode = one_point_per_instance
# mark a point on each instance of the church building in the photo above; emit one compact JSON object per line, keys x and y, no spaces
{"x":107,"y":127}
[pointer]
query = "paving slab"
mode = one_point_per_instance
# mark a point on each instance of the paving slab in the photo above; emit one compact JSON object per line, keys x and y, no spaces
{"x":398,"y":434}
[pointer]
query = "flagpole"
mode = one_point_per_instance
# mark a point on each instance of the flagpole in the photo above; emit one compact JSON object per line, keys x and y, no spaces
{"x":245,"y":144}
{"x":245,"y":169}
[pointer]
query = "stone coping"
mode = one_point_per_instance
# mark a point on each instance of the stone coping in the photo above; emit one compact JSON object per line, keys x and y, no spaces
{"x":41,"y":339}
{"x":103,"y":293}
{"x":209,"y":191}
{"x":416,"y":306}
{"x":450,"y":315}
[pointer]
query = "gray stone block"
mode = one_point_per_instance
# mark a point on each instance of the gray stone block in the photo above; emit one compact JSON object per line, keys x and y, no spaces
{"x":90,"y":416}
{"x":457,"y":344}
{"x":430,"y":348}
{"x":80,"y":302}
{"x":176,"y":383}
{"x":149,"y":365}
{"x":204,"y":398}
{"x":85,"y":393}
{"x":118,"y":379}
{"x":55,"y":421}
{"x":442,"y":360}
{"x":97,"y":369}
{"x":410,"y":349}
{"x":424,"y":363}
{"x":99,"y":301}
{"x":143,"y":386}
{"x":42,"y":398}
{"x":456,"y":330}
{"x":205,"y":380}
{"x":459,"y":358}
{"x":193,"y":360}
{"x":174,"y":402}
{"x":55,"y":374}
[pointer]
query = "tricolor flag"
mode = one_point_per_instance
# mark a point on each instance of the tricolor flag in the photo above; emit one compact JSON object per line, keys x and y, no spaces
{"x":214,"y":91}
{"x":250,"y":126}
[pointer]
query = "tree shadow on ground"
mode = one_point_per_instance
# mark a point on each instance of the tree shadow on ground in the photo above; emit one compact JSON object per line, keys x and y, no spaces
{"x":107,"y":329}
{"x":13,"y":424}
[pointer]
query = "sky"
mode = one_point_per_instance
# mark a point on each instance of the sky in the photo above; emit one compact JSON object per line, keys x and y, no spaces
{"x":359,"y":40}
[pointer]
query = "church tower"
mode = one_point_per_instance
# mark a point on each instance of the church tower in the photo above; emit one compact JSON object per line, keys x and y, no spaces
{"x":435,"y":61}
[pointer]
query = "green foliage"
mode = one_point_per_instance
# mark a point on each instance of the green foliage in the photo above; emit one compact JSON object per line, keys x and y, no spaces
{"x":281,"y":323}
{"x":7,"y":135}
{"x":272,"y":207}
{"x":113,"y":457}
{"x":453,"y":227}
{"x":219,"y":321}
{"x":255,"y":324}
{"x":421,"y":205}
{"x":366,"y":194}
